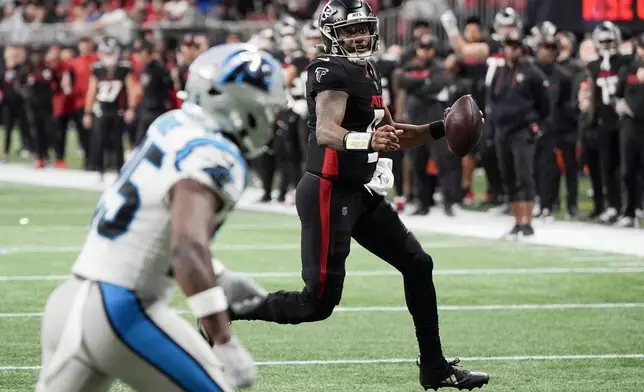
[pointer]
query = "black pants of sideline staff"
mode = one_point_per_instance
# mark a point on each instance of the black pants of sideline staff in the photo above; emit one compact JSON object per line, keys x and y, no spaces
{"x":516,"y":152}
{"x":551,"y":151}
{"x":632,"y":165}
{"x":146,"y":118}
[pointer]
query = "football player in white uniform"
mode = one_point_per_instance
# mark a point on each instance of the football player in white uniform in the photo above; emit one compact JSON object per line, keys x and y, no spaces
{"x":112,"y":320}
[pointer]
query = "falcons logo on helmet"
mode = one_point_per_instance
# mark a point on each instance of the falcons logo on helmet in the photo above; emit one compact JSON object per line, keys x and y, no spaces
{"x":319,"y":72}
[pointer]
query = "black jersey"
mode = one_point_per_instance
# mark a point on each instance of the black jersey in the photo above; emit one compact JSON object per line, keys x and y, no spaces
{"x":111,"y":94}
{"x":298,"y":87}
{"x":605,"y":78}
{"x":157,"y":87}
{"x":10,"y":84}
{"x":364,"y":110}
{"x":386,"y":68}
{"x":41,"y":85}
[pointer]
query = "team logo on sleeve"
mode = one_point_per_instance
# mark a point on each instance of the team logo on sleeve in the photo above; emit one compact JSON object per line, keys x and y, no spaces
{"x":319,"y":72}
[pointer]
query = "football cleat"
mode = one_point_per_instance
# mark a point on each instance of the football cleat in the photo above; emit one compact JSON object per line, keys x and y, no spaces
{"x":456,"y":378}
{"x":514,"y":233}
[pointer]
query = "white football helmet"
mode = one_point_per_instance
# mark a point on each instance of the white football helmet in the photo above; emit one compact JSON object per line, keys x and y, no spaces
{"x":236,"y":89}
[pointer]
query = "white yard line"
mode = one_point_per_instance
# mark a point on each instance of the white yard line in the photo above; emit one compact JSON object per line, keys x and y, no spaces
{"x":375,"y":273}
{"x":234,"y":247}
{"x":445,"y":308}
{"x":402,"y":360}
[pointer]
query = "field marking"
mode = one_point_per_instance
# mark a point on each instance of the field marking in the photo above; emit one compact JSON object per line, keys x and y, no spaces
{"x":237,"y":247}
{"x":513,"y":358}
{"x":377,"y":273}
{"x":460,"y":308}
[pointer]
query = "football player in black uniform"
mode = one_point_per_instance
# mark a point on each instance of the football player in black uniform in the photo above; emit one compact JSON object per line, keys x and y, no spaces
{"x":349,"y":126}
{"x":110,"y":103}
{"x":604,"y":73}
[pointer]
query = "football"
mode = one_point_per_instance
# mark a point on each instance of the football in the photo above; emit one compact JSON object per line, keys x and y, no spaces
{"x":463,"y":126}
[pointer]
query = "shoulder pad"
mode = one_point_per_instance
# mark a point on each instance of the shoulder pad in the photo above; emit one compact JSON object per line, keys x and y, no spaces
{"x":216,"y":164}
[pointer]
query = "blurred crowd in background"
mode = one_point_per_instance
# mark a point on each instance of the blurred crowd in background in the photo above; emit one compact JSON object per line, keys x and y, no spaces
{"x":131,"y":58}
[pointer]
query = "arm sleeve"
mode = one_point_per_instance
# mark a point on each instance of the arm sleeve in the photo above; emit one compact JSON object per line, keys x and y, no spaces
{"x":326,"y":75}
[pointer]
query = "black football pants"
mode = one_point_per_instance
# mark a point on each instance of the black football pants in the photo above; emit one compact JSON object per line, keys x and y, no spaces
{"x":450,"y":173}
{"x":515,"y":152}
{"x":632,"y":155}
{"x":108,"y":132}
{"x":331,"y":214}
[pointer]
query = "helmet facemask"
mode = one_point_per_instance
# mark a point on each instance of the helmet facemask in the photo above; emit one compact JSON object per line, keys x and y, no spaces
{"x":356,"y":39}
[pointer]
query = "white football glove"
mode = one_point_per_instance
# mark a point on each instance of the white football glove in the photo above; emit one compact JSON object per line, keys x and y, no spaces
{"x":242,"y":292}
{"x":239,"y":369}
{"x":383,"y":177}
{"x":450,"y":24}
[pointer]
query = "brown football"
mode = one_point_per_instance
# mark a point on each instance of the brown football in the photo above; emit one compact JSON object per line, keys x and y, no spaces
{"x":463,"y":126}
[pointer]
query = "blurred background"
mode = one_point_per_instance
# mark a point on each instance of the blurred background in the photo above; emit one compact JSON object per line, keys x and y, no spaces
{"x":65,"y":36}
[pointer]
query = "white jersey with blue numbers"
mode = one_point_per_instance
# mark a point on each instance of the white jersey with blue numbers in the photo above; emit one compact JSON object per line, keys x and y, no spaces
{"x":129,"y":241}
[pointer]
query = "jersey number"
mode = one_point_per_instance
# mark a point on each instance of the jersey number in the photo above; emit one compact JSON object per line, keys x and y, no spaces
{"x":119,"y":204}
{"x":608,"y":85}
{"x":492,"y":64}
{"x":378,"y":115}
{"x":108,"y":90}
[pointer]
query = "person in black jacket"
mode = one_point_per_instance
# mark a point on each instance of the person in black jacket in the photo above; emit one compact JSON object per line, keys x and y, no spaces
{"x":41,"y":85}
{"x":559,"y":137}
{"x":631,"y":94}
{"x":520,"y":100}
{"x":13,"y":99}
{"x":424,"y":80}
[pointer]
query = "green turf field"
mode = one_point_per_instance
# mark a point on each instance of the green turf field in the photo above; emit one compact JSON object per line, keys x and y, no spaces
{"x":501,"y":306}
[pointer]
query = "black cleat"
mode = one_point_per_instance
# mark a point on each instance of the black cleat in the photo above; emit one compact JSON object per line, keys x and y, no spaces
{"x":456,"y":378}
{"x":527,"y":231}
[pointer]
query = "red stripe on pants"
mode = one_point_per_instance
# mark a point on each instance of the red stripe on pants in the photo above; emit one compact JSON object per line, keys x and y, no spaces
{"x":325,"y":229}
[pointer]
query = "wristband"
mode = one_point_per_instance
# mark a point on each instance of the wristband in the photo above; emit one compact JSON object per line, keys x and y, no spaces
{"x":218,"y":267}
{"x":208,"y":302}
{"x":437,"y":129}
{"x":358,"y":141}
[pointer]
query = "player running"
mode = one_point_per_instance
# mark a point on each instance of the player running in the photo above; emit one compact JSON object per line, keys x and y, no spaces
{"x":112,"y":319}
{"x":344,"y":94}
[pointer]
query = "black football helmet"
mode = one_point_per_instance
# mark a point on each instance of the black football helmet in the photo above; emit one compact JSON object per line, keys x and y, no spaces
{"x":349,"y":29}
{"x":607,"y":38}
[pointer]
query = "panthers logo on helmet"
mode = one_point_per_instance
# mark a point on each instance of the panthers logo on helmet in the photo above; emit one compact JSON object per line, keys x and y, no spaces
{"x":319,"y":72}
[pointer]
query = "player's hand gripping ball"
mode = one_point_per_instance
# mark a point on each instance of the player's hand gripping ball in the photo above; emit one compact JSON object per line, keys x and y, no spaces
{"x":463,"y":126}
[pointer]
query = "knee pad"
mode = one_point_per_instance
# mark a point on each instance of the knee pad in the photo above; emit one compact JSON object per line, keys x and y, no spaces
{"x":322,"y":304}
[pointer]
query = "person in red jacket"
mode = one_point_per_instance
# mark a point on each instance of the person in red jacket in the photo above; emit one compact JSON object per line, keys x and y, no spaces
{"x":81,"y":67}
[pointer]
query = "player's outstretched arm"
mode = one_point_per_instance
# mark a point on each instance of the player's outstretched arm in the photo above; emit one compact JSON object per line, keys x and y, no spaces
{"x":414,"y":135}
{"x":193,"y":222}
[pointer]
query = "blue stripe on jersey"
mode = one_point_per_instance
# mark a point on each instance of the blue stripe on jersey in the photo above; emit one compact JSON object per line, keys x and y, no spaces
{"x":222,"y":145}
{"x":148,"y":341}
